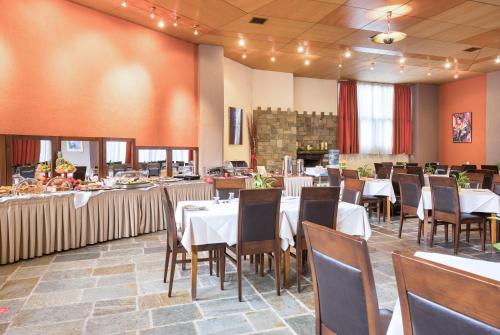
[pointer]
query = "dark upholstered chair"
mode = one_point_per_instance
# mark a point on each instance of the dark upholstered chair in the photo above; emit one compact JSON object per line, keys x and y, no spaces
{"x":344,"y":289}
{"x":439,"y":300}
{"x":80,"y":173}
{"x":476,"y":180}
{"x":488,"y":177}
{"x":353,"y":191}
{"x":334,"y":177}
{"x":224,"y":186}
{"x":153,"y":169}
{"x":469,"y":167}
{"x":377,"y":167}
{"x":446,"y":210}
{"x":350,"y":174}
{"x":458,"y":168}
{"x":441,"y":169}
{"x":384,"y":172}
{"x":318,"y":205}
{"x":495,"y":185}
{"x":27,"y":171}
{"x":388,"y":164}
{"x":416,"y":170}
{"x":411,"y":191}
{"x":493,"y":168}
{"x":411,"y":164}
{"x":175,"y":247}
{"x":258,"y":229}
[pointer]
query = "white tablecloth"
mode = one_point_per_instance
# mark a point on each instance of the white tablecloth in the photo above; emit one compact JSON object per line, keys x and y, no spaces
{"x":378,"y":187}
{"x":293,"y":185}
{"x":218,"y":224}
{"x":471,"y":200}
{"x":478,"y":267}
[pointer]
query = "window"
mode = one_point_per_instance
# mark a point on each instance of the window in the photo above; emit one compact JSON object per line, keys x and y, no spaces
{"x":45,"y":151}
{"x":375,"y":114}
{"x":152,"y":155}
{"x":116,"y":151}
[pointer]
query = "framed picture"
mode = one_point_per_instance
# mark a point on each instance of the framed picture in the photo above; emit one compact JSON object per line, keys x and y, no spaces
{"x":235,"y":125}
{"x":74,"y":146}
{"x":462,"y":127}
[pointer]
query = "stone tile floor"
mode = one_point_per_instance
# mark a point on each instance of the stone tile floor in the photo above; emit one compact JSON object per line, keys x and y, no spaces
{"x":117,"y":288}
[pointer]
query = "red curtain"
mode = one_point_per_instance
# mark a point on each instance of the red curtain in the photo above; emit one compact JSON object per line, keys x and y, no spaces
{"x":348,"y":118}
{"x":401,"y":142}
{"x":25,"y":152}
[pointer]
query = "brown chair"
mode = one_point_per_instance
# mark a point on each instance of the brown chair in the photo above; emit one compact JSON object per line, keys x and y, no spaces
{"x":174,"y":247}
{"x":441,"y":169}
{"x":318,"y":205}
{"x":350,"y":174}
{"x":458,"y":168}
{"x":411,"y":191}
{"x":446,"y":210}
{"x":388,"y":164}
{"x":493,"y":168}
{"x":416,"y":170}
{"x":344,"y":289}
{"x":384,"y":172}
{"x":488,"y":177}
{"x":411,"y":164}
{"x":334,"y":177}
{"x":258,"y":229}
{"x":476,"y":180}
{"x":377,"y":167}
{"x":469,"y":167}
{"x":436,"y":299}
{"x":495,"y":185}
{"x":224,"y":186}
{"x":353,"y":191}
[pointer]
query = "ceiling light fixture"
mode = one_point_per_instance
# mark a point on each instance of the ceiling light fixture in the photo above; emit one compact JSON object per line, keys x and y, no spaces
{"x":447,"y":64}
{"x":300,"y":49}
{"x":124,"y":4}
{"x":195,"y":27}
{"x":401,"y":69}
{"x":273,"y":59}
{"x":340,"y":65}
{"x":402,"y":60}
{"x":175,"y":24}
{"x":161,"y":24}
{"x":244,"y":56}
{"x":347,"y":54}
{"x":307,"y":62}
{"x":497,"y":60}
{"x":372,"y":66}
{"x":389,"y":36}
{"x":429,"y":73}
{"x":456,"y":75}
{"x":241,"y":42}
{"x":152,"y":12}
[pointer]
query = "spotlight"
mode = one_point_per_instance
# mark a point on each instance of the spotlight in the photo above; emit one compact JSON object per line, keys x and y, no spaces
{"x":175,"y":24}
{"x":124,"y":4}
{"x":402,"y":60}
{"x":401,"y":69}
{"x":307,"y":62}
{"x":161,"y":24}
{"x":244,"y":56}
{"x":429,"y":73}
{"x":273,"y":59}
{"x":497,"y":60}
{"x":372,"y":66}
{"x":241,"y":42}
{"x":347,"y":54}
{"x":447,"y":64}
{"x":300,"y":49}
{"x":196,"y":32}
{"x":340,"y":65}
{"x":152,"y":12}
{"x":455,"y":75}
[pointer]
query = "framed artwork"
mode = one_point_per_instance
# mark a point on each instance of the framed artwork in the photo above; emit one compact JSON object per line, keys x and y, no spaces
{"x":74,"y":146}
{"x":235,"y":125}
{"x":462,"y":127}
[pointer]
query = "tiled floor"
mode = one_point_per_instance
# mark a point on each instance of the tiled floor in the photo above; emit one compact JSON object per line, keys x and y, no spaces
{"x":117,"y":287}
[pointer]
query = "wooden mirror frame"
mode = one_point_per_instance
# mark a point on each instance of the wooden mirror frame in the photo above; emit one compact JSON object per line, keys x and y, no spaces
{"x":99,"y":140}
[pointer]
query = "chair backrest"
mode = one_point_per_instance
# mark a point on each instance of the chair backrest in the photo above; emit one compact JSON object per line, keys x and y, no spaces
{"x":445,"y":199}
{"x":396,"y":172}
{"x":434,"y":302}
{"x":344,"y":288}
{"x":469,"y":167}
{"x":377,"y":167}
{"x":153,"y":169}
{"x":334,"y":177}
{"x":119,"y":167}
{"x":353,"y":191}
{"x":258,"y":217}
{"x":350,"y":174}
{"x":493,"y":168}
{"x":417,"y":170}
{"x":389,"y":164}
{"x":318,"y":205}
{"x":495,"y":185}
{"x":411,"y":190}
{"x":411,"y":164}
{"x":170,"y":218}
{"x":458,"y":168}
{"x":441,"y":169}
{"x":433,"y":164}
{"x":488,"y":177}
{"x":224,"y":186}
{"x":80,"y":172}
{"x":476,"y":180}
{"x":384,"y":172}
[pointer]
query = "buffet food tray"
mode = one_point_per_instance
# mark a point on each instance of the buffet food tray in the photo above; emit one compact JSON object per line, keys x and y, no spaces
{"x":133,"y":186}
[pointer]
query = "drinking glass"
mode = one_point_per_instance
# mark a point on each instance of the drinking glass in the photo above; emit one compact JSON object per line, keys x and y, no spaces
{"x":231,"y":196}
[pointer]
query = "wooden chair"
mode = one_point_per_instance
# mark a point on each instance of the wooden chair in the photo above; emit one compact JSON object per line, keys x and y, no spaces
{"x":441,"y":169}
{"x":411,"y":191}
{"x":353,"y":191}
{"x":224,"y":186}
{"x":174,"y":247}
{"x":469,"y":167}
{"x":258,"y":229}
{"x":318,"y":205}
{"x":488,"y":177}
{"x":153,"y":169}
{"x":344,"y":289}
{"x":377,"y":167}
{"x":458,"y":168}
{"x":334,"y":177}
{"x":388,"y":164}
{"x":411,"y":164}
{"x":417,"y":170}
{"x":384,"y":172}
{"x":493,"y":168}
{"x":437,"y":299}
{"x":476,"y":180}
{"x":350,"y":174}
{"x":446,"y":210}
{"x":495,"y":185}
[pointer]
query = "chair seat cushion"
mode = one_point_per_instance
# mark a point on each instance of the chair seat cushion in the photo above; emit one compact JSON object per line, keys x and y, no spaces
{"x":385,"y":319}
{"x":470,"y":217}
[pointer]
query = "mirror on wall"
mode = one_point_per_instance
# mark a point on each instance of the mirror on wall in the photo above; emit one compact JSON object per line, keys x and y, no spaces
{"x":235,"y":125}
{"x":153,"y":160}
{"x":184,"y":161}
{"x":27,"y":153}
{"x":84,"y":155}
{"x":119,"y":154}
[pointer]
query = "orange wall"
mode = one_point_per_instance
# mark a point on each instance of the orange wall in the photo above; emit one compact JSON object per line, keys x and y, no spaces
{"x":69,"y":70}
{"x":468,"y":95}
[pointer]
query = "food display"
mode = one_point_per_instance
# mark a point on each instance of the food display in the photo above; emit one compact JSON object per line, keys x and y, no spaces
{"x":92,"y":186}
{"x":28,"y":186}
{"x":63,"y":166}
{"x":132,"y":179}
{"x":58,"y":184}
{"x":5,"y":191}
{"x":163,"y":180}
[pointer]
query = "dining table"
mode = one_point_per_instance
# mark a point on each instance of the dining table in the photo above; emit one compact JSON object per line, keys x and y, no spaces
{"x":471,"y":201}
{"x":208,"y":222}
{"x":479,"y":267}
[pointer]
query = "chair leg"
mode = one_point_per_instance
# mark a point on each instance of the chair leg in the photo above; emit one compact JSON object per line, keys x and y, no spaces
{"x":251,"y":258}
{"x":167,"y":260}
{"x":210,"y":261}
{"x":222,"y":266}
{"x":172,"y":272}
{"x":256,"y":260}
{"x":298,"y":267}
{"x":378,"y":212}
{"x":277,"y":256}
{"x":483,"y":237}
{"x":433,"y":229}
{"x":457,"y":239}
{"x":261,"y":259}
{"x":467,"y":233}
{"x":446,"y":233}
{"x":270,"y":261}
{"x":401,"y":221}
{"x":238,"y":270}
{"x":420,"y":226}
{"x":183,"y":257}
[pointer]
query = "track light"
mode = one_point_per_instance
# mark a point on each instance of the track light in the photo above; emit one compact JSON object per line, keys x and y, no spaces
{"x":300,"y":49}
{"x":307,"y":62}
{"x":447,"y":64}
{"x":455,"y":75}
{"x":241,"y":42}
{"x":196,"y":32}
{"x":372,"y":66}
{"x":124,"y":4}
{"x":161,"y":24}
{"x":152,"y":12}
{"x":497,"y":60}
{"x":347,"y":54}
{"x":175,"y":24}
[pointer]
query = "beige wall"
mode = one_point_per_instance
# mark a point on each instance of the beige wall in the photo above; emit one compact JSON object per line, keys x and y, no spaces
{"x":315,"y":95}
{"x":492,"y":118}
{"x":425,"y":99}
{"x":211,"y":102}
{"x":237,"y":93}
{"x":272,"y":89}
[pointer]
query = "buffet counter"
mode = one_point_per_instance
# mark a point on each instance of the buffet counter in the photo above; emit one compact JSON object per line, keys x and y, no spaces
{"x":41,"y":224}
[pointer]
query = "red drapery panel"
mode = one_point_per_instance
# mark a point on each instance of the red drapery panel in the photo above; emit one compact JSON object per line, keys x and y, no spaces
{"x":401,"y":142}
{"x":348,"y":118}
{"x":25,"y":152}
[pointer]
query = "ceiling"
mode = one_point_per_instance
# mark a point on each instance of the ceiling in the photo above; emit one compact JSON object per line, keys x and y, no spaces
{"x":437,"y":30}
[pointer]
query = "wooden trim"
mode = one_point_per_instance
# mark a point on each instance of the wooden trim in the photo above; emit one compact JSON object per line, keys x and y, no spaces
{"x":3,"y":161}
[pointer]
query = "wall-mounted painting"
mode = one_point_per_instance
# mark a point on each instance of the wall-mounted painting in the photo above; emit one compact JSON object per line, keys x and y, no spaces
{"x":462,"y":127}
{"x":235,"y":125}
{"x":74,"y":146}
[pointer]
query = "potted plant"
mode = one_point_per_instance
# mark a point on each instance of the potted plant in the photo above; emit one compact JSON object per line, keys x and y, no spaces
{"x":462,"y":180}
{"x":429,"y":169}
{"x":260,"y":183}
{"x":364,"y":171}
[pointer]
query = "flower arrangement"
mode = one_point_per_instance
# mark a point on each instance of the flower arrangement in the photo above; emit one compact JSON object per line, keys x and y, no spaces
{"x":429,"y":169}
{"x":342,"y":165}
{"x":364,"y":171}
{"x":63,"y":166}
{"x":260,"y":183}
{"x":462,"y":179}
